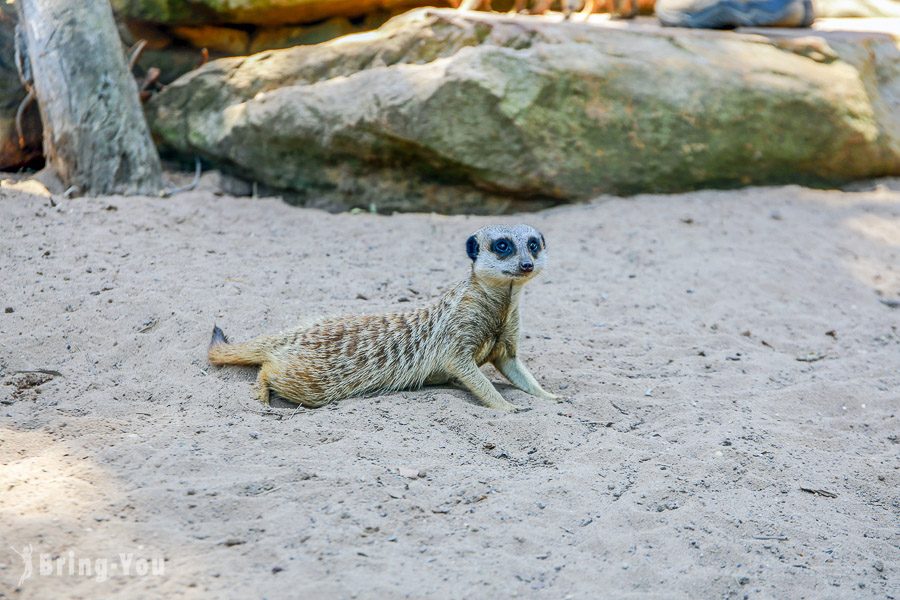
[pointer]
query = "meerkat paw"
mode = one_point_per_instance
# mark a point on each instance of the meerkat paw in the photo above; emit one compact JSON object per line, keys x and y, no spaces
{"x":539,"y":392}
{"x":506,"y":407}
{"x":519,"y":375}
{"x":501,"y":404}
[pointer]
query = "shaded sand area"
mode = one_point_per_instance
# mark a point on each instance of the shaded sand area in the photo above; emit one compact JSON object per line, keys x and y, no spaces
{"x":729,"y":364}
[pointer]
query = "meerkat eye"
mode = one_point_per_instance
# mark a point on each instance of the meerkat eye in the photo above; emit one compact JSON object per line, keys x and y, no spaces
{"x":534,"y":246}
{"x":502,"y":247}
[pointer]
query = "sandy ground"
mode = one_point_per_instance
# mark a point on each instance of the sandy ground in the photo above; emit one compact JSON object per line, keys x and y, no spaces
{"x":721,"y":355}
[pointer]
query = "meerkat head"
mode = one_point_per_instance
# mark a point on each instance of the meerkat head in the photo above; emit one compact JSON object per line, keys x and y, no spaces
{"x":505,"y":254}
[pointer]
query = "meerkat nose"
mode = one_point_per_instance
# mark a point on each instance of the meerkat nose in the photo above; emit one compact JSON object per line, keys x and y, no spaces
{"x":527,"y":267}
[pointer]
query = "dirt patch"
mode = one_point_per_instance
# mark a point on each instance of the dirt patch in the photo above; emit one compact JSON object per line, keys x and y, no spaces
{"x":680,"y":332}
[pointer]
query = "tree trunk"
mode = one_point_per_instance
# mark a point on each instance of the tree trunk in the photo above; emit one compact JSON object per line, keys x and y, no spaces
{"x":95,"y":134}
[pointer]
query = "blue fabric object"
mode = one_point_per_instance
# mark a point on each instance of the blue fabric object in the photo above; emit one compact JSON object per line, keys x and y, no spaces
{"x":727,"y":14}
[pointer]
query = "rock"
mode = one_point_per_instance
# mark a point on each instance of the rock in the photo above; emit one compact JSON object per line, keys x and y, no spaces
{"x":175,"y":50}
{"x":476,"y":112}
{"x":11,"y":95}
{"x":218,"y":183}
{"x":255,"y":12}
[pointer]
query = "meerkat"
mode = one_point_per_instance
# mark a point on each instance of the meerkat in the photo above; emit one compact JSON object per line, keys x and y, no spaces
{"x":540,"y":6}
{"x":616,"y":8}
{"x":567,"y":7}
{"x":475,"y":322}
{"x":475,"y":5}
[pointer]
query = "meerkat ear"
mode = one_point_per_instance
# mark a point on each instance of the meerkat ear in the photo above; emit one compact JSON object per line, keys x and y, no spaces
{"x":543,"y":242}
{"x":472,"y":247}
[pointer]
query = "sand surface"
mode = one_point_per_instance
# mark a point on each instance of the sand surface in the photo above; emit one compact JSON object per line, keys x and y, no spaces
{"x":718,"y":353}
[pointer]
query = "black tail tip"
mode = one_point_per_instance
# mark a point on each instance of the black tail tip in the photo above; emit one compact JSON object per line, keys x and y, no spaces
{"x":218,"y":336}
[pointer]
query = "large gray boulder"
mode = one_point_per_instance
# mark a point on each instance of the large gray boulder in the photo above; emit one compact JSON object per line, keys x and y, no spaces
{"x":439,"y":110}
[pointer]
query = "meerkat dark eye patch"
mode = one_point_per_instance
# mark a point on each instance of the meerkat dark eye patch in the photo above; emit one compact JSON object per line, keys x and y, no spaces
{"x":472,"y":247}
{"x":503,"y":247}
{"x":534,"y":246}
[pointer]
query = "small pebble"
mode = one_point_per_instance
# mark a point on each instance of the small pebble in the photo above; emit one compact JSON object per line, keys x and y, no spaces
{"x":410,"y":473}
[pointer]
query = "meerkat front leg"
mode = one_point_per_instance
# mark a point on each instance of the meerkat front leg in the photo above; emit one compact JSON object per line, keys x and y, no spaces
{"x":518,"y":375}
{"x":541,"y":7}
{"x":588,"y":9}
{"x":262,"y":382}
{"x":471,"y":377}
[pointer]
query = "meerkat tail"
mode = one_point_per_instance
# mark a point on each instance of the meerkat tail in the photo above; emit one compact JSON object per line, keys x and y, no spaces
{"x":221,"y":352}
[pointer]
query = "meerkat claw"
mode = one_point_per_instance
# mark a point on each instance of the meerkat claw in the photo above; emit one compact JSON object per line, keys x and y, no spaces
{"x":508,"y":407}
